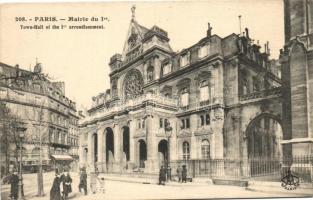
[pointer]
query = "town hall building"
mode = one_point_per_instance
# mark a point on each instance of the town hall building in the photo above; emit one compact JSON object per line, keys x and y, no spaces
{"x":219,"y":99}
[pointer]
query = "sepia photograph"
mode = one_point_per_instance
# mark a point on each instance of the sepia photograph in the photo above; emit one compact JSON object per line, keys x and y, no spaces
{"x":156,"y":99}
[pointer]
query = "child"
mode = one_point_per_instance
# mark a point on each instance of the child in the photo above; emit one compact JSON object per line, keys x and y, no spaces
{"x":101,"y":185}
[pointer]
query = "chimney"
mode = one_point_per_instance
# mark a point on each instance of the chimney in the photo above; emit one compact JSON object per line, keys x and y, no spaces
{"x":209,"y":31}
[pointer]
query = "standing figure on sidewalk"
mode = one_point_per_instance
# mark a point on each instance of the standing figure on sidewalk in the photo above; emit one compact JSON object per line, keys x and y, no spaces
{"x":184,"y":174}
{"x":55,"y":193}
{"x":162,"y":175}
{"x":179,"y":173}
{"x":101,"y":185}
{"x":93,"y":182}
{"x":83,"y":181}
{"x":67,"y":185}
{"x":14,"y":185}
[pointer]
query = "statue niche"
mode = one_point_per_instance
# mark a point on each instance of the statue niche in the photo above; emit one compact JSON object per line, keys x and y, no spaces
{"x":133,"y":84}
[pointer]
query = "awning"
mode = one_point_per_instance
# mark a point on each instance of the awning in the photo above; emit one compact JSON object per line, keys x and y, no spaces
{"x":62,"y":157}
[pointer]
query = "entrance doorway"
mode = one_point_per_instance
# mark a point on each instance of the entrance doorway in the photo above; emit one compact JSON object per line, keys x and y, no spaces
{"x":142,"y":153}
{"x":264,"y":148}
{"x":163,"y":152}
{"x":109,"y":149}
{"x":126,"y":143}
{"x":95,"y":149}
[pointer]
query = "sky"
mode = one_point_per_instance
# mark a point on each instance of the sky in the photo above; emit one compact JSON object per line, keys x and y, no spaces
{"x":80,"y":57}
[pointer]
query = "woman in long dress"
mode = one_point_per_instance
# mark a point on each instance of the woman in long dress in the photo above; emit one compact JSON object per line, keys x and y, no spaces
{"x":55,"y":193}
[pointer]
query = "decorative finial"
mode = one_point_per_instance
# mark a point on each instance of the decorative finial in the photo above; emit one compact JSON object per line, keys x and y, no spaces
{"x":133,"y":9}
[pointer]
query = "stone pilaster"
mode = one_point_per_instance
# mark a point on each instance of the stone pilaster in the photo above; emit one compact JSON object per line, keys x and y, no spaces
{"x":157,"y":67}
{"x":152,"y":154}
{"x":90,"y":158}
{"x":193,"y":142}
{"x":132,"y":148}
{"x":173,"y":141}
{"x":117,"y":148}
{"x":101,"y":151}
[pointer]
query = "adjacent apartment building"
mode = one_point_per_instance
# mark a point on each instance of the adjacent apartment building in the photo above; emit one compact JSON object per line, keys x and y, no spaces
{"x":32,"y":103}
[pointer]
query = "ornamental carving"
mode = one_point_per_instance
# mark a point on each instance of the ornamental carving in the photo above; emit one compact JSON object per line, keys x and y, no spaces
{"x":133,"y":85}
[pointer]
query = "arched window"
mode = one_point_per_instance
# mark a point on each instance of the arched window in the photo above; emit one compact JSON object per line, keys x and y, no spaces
{"x":205,"y":149}
{"x":204,"y":91}
{"x":184,"y":97}
{"x":150,"y":74}
{"x":186,"y":151}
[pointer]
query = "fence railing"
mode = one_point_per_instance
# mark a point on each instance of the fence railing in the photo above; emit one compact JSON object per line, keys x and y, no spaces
{"x":256,"y":168}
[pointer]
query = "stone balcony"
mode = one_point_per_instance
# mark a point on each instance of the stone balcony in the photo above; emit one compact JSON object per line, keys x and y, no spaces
{"x":122,"y":106}
{"x":273,"y":92}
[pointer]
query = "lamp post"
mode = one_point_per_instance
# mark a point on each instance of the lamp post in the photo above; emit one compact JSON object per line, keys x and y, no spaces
{"x":21,"y":135}
{"x":168,"y":133}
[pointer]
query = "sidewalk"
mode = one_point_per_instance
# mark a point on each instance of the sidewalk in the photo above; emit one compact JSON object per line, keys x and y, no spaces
{"x":257,"y":186}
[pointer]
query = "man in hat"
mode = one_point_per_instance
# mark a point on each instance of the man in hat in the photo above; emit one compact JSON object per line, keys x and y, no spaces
{"x":83,"y":181}
{"x":14,"y":185}
{"x":184,"y":174}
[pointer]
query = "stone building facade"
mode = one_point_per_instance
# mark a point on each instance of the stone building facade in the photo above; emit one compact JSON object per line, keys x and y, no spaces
{"x":40,"y":106}
{"x":218,"y":99}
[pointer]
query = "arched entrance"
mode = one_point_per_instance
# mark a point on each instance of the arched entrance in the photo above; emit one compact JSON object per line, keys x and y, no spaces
{"x":109,"y":149}
{"x":95,"y":149}
{"x":163,"y":152}
{"x":264,"y":134}
{"x":142,"y":153}
{"x":126,"y":143}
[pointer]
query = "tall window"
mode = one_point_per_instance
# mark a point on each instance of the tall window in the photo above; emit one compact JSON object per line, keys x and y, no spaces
{"x":161,"y":122}
{"x":186,"y":151}
{"x":150,"y":74}
{"x":204,"y":51}
{"x":185,"y":59}
{"x":204,"y":91}
{"x":184,"y":97}
{"x":167,"y":68}
{"x":204,"y":119}
{"x":185,"y":123}
{"x":256,"y":85}
{"x":205,"y":149}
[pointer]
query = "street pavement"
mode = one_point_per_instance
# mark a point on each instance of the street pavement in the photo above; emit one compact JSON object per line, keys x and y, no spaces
{"x":118,"y":189}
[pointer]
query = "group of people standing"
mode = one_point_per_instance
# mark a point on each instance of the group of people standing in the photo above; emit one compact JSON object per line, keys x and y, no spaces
{"x":66,"y":180}
{"x":164,"y":174}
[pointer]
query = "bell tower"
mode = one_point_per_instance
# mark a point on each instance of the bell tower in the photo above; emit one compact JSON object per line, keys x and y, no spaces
{"x":297,"y":76}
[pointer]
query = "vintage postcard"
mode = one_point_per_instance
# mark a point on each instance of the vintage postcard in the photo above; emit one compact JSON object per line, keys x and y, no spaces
{"x":156,"y":100}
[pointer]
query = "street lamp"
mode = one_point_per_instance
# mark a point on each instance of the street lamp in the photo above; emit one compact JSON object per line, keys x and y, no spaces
{"x":21,"y":135}
{"x":168,"y":133}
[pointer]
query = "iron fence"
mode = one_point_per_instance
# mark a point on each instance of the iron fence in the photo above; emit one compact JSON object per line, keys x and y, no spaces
{"x":256,"y":168}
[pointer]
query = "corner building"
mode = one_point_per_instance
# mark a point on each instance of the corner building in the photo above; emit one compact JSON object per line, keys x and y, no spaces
{"x":198,"y":104}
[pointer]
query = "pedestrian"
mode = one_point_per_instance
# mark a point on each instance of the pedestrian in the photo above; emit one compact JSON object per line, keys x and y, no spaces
{"x":179,"y":173}
{"x":83,"y":181}
{"x":55,"y":192}
{"x":67,"y":185}
{"x":101,"y":184}
{"x":184,"y":174}
{"x":14,"y":185}
{"x":162,"y":175}
{"x":93,"y":182}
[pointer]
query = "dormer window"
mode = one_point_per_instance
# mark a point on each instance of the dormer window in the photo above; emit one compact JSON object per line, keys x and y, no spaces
{"x":167,"y":68}
{"x":185,"y":59}
{"x":204,"y":50}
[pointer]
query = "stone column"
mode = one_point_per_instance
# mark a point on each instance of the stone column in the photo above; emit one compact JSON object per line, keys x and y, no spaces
{"x":90,"y":157}
{"x":132,"y":149}
{"x":152,"y":151}
{"x":100,"y":163}
{"x":117,"y":148}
